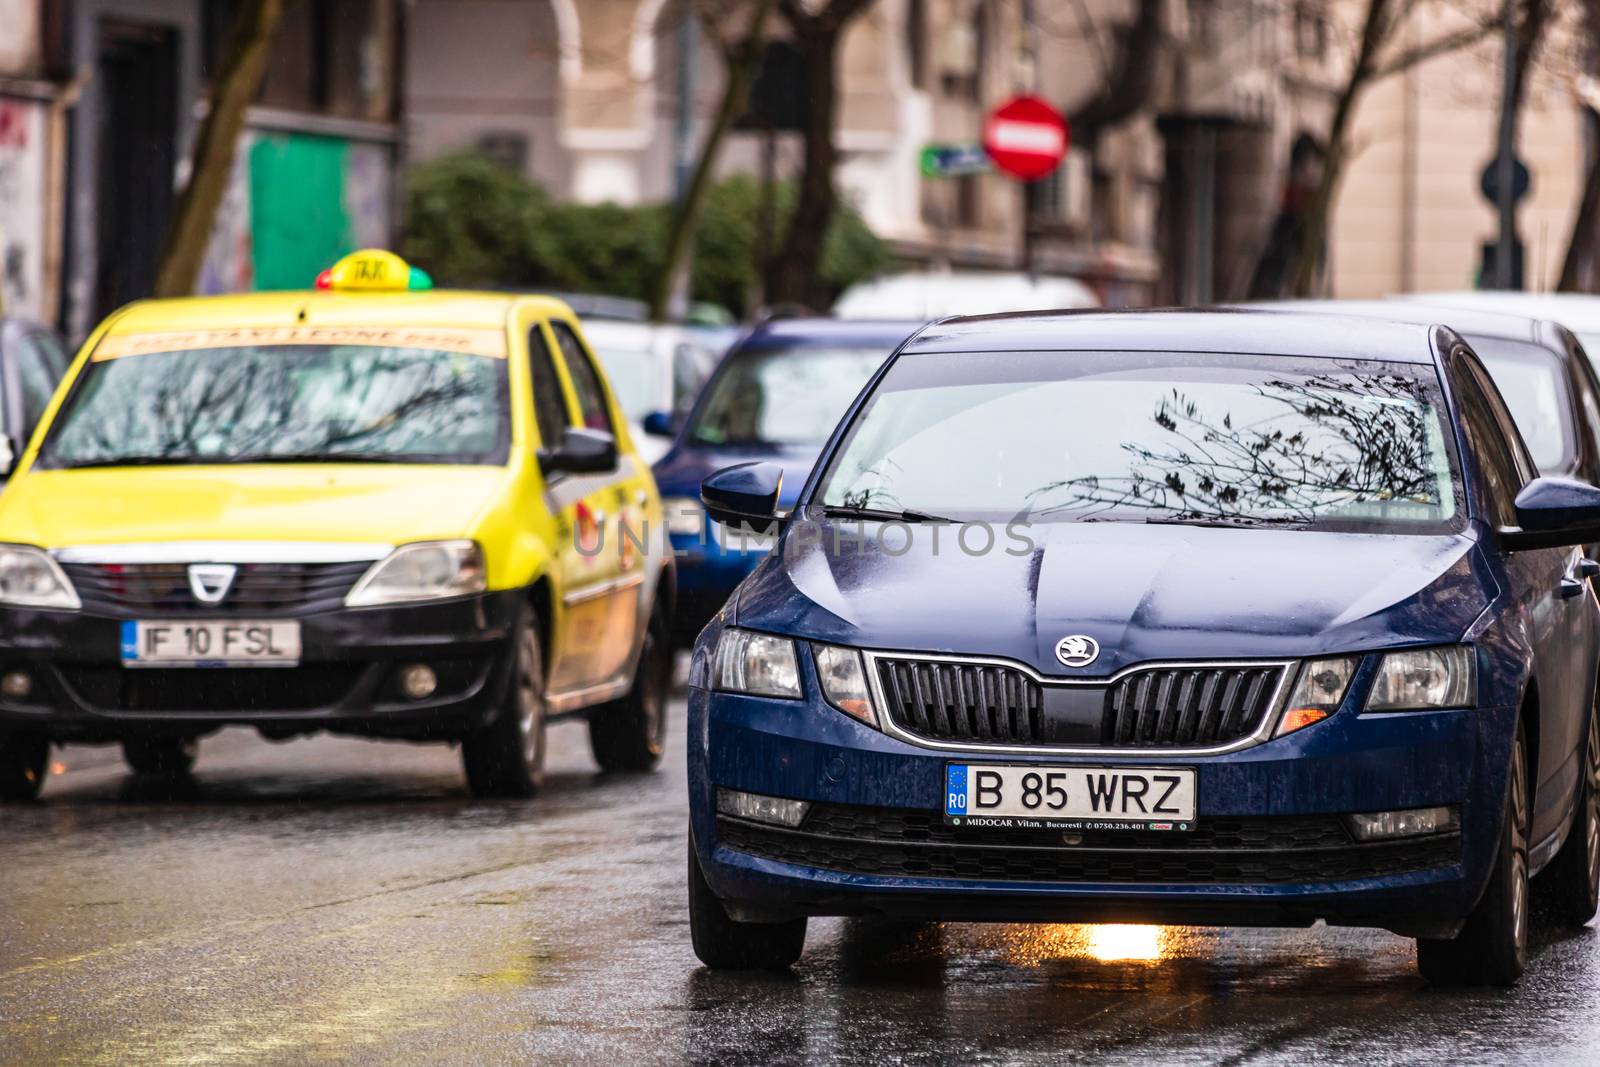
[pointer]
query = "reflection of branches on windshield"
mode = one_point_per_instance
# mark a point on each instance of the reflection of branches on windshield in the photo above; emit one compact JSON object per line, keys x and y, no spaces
{"x":244,"y":402}
{"x":1368,"y":443}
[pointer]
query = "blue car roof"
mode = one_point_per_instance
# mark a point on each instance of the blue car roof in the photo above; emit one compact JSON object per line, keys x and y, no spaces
{"x":868,"y":333}
{"x":1246,"y":332}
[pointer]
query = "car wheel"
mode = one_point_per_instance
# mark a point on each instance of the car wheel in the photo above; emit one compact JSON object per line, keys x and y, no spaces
{"x":24,"y":761}
{"x":630,"y":734}
{"x":1572,"y":884}
{"x":725,"y":944}
{"x":168,"y":757}
{"x":1492,"y":948}
{"x":505,"y":758}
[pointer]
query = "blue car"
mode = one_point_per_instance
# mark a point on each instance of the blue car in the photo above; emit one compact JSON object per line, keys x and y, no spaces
{"x":776,"y":397}
{"x":1203,"y":617}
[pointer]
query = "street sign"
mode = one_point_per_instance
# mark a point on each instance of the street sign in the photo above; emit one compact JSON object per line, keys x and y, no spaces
{"x":1489,"y":181}
{"x":1026,"y":137}
{"x":953,"y":160}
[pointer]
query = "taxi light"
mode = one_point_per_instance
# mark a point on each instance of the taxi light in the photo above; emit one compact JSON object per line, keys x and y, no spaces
{"x":373,"y":270}
{"x":1414,"y":822}
{"x":757,"y":808}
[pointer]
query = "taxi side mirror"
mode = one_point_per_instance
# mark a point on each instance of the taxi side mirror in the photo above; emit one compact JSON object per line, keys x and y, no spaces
{"x":582,"y":451}
{"x":9,"y":453}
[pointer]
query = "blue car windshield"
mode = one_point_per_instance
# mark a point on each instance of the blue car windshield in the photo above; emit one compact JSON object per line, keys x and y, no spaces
{"x":782,"y":396}
{"x":1153,"y":437}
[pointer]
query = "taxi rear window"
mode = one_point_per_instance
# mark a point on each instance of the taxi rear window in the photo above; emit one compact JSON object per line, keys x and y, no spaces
{"x":298,"y":403}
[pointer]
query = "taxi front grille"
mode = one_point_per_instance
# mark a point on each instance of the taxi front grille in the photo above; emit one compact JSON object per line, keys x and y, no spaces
{"x":145,"y":590}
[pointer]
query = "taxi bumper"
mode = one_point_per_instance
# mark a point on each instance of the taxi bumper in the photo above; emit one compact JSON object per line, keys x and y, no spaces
{"x":346,"y":680}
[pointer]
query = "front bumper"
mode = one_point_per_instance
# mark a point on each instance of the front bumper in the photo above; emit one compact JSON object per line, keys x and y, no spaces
{"x":346,"y":680}
{"x":1269,"y":847}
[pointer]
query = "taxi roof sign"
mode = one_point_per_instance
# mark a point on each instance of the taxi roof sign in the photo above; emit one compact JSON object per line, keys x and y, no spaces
{"x":373,"y":270}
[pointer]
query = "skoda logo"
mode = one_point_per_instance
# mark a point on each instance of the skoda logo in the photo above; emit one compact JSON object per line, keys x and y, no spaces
{"x":1076,"y":650}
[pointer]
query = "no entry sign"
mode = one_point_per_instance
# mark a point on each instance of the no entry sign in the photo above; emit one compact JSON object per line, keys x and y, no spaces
{"x":1026,"y":137}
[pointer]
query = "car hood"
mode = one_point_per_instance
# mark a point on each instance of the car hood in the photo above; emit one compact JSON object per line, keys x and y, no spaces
{"x":682,"y":470}
{"x":377,"y":504}
{"x":1143,"y":592}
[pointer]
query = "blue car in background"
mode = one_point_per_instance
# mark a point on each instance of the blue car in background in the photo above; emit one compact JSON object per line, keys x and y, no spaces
{"x":776,"y":396}
{"x":1222,"y":618}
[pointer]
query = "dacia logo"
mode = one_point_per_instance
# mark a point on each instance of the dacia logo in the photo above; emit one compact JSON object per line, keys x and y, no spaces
{"x":1077,"y":650}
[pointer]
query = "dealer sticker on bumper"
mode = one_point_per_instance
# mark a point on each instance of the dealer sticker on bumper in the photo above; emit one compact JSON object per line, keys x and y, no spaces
{"x":1122,"y":798}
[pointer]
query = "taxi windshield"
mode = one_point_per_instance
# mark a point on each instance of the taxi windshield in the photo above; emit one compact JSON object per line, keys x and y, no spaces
{"x":282,"y":404}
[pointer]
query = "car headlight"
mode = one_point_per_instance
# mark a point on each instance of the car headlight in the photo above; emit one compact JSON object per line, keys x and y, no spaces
{"x":844,"y":681}
{"x":1318,"y":692}
{"x":30,"y":578}
{"x":758,"y":664}
{"x":684,"y":516}
{"x":1422,"y":678}
{"x":429,"y":570}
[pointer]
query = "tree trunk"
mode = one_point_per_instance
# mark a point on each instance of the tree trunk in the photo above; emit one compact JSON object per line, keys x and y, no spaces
{"x":792,"y":272}
{"x":740,"y":61}
{"x":1577,"y":269}
{"x":1307,"y":267}
{"x":236,"y":84}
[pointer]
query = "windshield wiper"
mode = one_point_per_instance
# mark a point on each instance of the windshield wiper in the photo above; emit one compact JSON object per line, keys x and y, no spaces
{"x":843,"y":511}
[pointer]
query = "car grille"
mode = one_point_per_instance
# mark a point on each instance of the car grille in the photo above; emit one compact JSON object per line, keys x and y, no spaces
{"x":301,"y":688}
{"x":1156,"y":707}
{"x":963,"y":701}
{"x":1188,"y":706}
{"x":1224,"y":851}
{"x":155,"y":589}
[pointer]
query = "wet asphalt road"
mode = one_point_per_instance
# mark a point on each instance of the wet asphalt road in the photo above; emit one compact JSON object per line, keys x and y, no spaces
{"x":344,"y":901}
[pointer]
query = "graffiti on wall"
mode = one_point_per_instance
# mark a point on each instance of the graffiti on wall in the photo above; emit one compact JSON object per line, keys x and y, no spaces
{"x":23,"y":160}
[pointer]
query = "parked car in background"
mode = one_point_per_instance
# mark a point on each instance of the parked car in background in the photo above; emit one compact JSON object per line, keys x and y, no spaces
{"x":1578,"y":312}
{"x":369,"y":509}
{"x":775,"y":397}
{"x":653,"y":369}
{"x":1539,"y":366}
{"x":1291,"y":629}
{"x":32,"y":362}
{"x":924,"y":295}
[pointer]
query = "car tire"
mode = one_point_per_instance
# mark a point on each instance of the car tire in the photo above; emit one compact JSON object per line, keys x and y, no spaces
{"x":725,"y":944}
{"x":630,"y":734}
{"x":1572,"y":884}
{"x":1492,"y":948}
{"x":165,"y":757}
{"x":505,"y":757}
{"x":24,"y":762}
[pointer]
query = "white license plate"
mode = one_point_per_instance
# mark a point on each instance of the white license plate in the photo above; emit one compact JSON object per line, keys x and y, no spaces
{"x":991,"y":794}
{"x":210,"y":643}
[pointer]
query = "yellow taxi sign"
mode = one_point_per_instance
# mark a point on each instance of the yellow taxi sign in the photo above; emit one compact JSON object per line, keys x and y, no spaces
{"x":373,"y":270}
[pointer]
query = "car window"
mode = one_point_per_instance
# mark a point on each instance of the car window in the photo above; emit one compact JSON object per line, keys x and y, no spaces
{"x":793,"y":395}
{"x":1152,"y":437}
{"x":549,"y":404}
{"x":1498,"y":473}
{"x":1532,"y":381}
{"x":38,"y":370}
{"x":691,"y":366}
{"x":585,"y":379}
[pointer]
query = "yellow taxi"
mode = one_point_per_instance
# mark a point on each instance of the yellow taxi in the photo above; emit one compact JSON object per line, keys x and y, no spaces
{"x":373,"y":508}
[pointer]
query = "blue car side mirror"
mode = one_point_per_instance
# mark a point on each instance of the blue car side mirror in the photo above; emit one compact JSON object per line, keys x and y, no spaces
{"x":1553,"y":512}
{"x":746,"y":494}
{"x":660,"y":424}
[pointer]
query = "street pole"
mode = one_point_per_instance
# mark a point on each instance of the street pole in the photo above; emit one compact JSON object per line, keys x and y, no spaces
{"x":1505,"y":171}
{"x":683,"y":152}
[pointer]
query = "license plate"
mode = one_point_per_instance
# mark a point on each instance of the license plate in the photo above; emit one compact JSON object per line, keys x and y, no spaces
{"x":210,"y":643}
{"x":1088,"y":798}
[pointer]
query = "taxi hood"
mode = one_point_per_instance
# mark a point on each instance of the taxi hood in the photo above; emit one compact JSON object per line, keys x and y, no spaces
{"x":367,"y":503}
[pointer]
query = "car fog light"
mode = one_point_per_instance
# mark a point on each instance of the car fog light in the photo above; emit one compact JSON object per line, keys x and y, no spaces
{"x":757,"y":808}
{"x":16,"y":685}
{"x":418,"y":682}
{"x":1378,"y":825}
